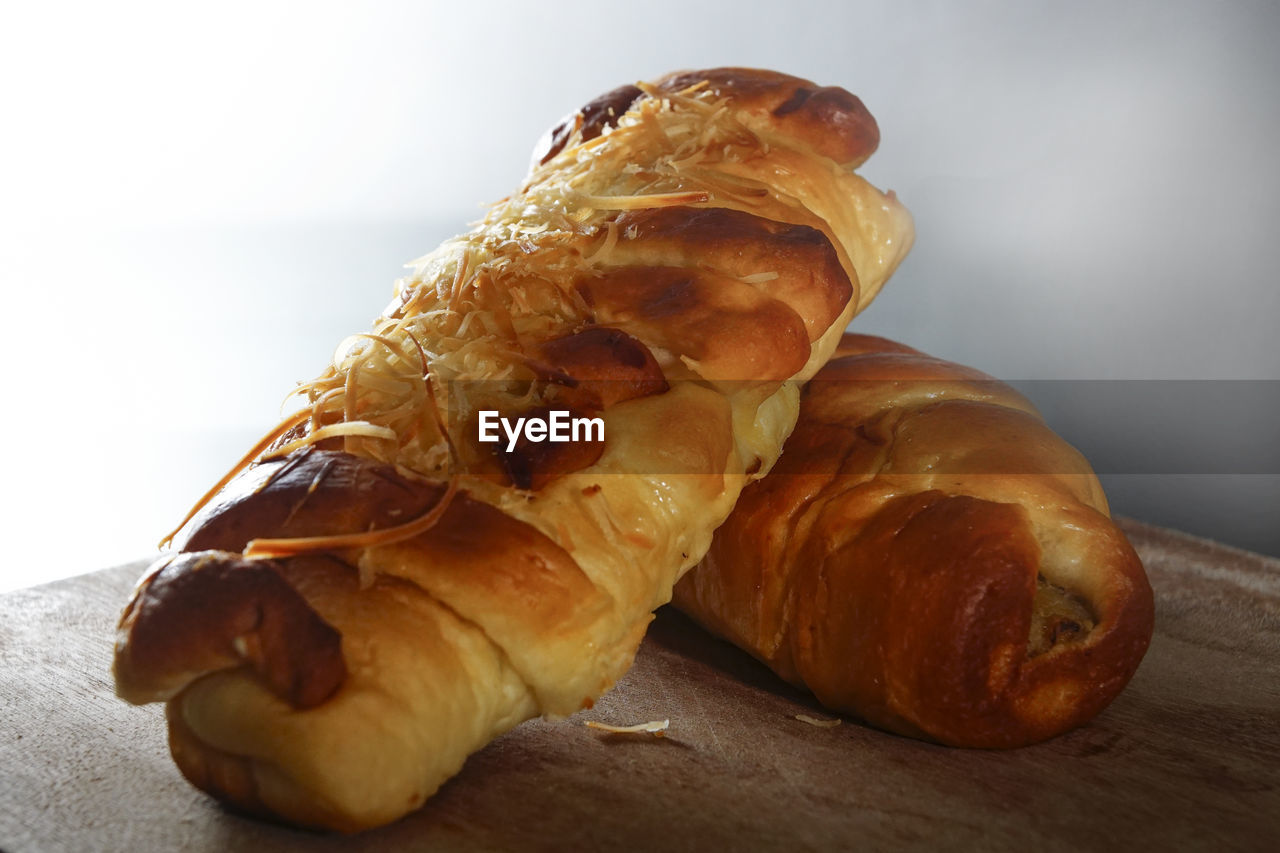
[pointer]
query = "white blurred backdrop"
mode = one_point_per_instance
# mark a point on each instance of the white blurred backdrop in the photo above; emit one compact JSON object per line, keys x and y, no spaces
{"x":198,"y":203}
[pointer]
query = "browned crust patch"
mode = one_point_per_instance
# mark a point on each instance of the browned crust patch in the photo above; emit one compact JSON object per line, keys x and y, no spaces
{"x":733,"y":331}
{"x":794,"y":264}
{"x":827,"y":119}
{"x":208,"y":610}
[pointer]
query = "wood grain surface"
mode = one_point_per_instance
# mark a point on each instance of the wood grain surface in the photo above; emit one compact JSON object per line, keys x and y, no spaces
{"x":1187,"y":758}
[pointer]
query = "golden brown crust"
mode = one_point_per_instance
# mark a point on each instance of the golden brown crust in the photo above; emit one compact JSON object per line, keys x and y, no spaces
{"x":792,"y":263}
{"x":733,"y":331}
{"x":476,"y":555}
{"x":476,"y":550}
{"x":607,"y":366}
{"x":205,"y":611}
{"x":590,"y":121}
{"x":942,"y":590}
{"x":831,"y":121}
{"x":855,"y":344}
{"x":929,"y":556}
{"x":310,"y":493}
{"x":440,"y":672}
{"x":857,"y":389}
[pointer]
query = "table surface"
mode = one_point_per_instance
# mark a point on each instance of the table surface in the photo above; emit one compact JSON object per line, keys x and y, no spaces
{"x":1187,"y":757}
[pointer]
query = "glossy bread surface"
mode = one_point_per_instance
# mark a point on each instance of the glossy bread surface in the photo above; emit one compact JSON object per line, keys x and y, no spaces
{"x":928,"y":555}
{"x":676,"y":269}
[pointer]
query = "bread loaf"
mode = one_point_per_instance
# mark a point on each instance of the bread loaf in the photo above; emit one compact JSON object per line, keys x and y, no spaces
{"x":375,"y":592}
{"x":929,"y":556}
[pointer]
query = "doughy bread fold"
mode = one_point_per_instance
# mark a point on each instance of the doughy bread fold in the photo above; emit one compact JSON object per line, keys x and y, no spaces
{"x":929,"y":556}
{"x":376,"y":592}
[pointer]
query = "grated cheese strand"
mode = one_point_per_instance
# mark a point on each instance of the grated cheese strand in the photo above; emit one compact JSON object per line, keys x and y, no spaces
{"x":647,"y":202}
{"x":262,"y":444}
{"x":657,"y":728}
{"x":266,"y":548}
{"x":362,"y":429}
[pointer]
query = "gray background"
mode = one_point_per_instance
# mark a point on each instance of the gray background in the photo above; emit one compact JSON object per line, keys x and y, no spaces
{"x":198,"y":204}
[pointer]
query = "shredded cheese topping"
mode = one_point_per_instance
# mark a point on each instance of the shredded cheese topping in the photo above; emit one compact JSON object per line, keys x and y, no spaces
{"x":474,"y":308}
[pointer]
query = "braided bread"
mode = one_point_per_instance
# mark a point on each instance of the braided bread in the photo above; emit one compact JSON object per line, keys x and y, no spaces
{"x":928,"y":555}
{"x":375,"y":592}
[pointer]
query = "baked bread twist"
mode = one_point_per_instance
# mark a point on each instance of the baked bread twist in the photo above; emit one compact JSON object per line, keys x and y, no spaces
{"x":928,"y":555}
{"x":374,"y":593}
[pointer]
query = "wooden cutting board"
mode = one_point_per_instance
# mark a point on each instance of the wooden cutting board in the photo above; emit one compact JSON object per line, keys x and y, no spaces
{"x":1188,"y":757}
